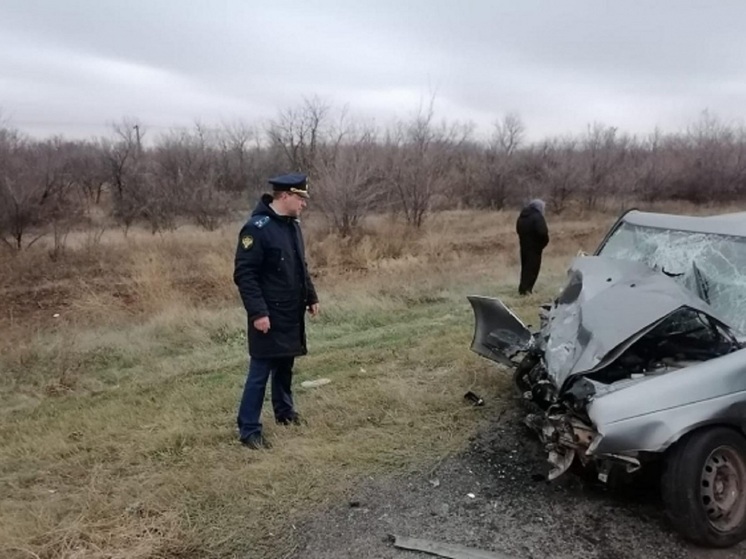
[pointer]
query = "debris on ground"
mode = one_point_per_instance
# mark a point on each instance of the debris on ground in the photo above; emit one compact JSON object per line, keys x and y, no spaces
{"x":315,"y":383}
{"x":451,"y":551}
{"x":473,"y":398}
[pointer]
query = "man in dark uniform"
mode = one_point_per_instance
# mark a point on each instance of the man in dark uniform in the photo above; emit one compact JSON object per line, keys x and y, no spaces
{"x":533,"y":237}
{"x":276,"y":289}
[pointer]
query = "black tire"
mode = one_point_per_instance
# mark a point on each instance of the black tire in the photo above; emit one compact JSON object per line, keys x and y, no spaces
{"x":704,"y":487}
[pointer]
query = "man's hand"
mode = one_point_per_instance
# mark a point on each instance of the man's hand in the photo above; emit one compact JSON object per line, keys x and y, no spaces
{"x":262,"y":324}
{"x":313,"y":309}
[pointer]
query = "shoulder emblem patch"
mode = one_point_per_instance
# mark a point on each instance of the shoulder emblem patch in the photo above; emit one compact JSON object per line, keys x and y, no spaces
{"x":261,"y":222}
{"x":247,"y":241}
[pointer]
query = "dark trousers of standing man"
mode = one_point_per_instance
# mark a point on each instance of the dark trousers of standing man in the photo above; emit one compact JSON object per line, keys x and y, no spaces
{"x":250,"y":410}
{"x":530,"y":266}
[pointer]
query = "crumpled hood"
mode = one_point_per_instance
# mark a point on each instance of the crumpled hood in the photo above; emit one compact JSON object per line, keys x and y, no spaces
{"x":605,"y":307}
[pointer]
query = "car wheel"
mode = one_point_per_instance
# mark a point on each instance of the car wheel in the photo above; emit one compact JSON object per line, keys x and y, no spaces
{"x":704,"y":487}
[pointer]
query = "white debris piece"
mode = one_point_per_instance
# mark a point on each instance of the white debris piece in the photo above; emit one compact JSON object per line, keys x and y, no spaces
{"x":315,"y":383}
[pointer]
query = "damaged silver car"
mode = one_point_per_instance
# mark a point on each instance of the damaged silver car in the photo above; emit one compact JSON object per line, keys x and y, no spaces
{"x":640,"y":362}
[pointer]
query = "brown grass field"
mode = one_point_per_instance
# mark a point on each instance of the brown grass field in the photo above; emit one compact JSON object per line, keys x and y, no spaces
{"x":122,"y":362}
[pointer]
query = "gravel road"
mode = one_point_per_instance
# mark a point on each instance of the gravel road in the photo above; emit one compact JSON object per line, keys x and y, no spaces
{"x":494,"y":497}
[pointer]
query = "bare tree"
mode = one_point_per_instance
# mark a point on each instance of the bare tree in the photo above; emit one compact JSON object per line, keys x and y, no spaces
{"x":561,"y":172}
{"x":416,"y":166}
{"x":709,"y":156}
{"x":86,"y":168}
{"x":123,"y":153}
{"x":124,"y":158}
{"x":15,"y":214}
{"x":240,"y":152}
{"x":470,"y":175}
{"x":739,"y":163}
{"x":350,"y":177}
{"x":33,"y":188}
{"x":604,"y":152}
{"x":300,"y":131}
{"x":421,"y":158}
{"x":508,"y":134}
{"x":502,"y":176}
{"x":648,"y":169}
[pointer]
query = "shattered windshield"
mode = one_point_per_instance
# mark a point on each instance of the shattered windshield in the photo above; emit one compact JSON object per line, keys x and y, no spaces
{"x":712,"y":266}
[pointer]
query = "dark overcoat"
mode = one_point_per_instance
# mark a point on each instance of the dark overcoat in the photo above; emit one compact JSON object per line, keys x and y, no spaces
{"x":272,"y":277}
{"x":532,"y":230}
{"x":533,"y":236}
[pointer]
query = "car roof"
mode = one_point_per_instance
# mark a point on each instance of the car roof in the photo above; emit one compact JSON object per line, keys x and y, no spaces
{"x":733,"y":224}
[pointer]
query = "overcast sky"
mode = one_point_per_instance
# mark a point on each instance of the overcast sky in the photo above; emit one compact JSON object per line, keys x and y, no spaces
{"x":73,"y":66}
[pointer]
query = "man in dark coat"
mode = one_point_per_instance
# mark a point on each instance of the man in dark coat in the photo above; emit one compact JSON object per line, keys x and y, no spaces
{"x":533,"y":236}
{"x":272,"y":277}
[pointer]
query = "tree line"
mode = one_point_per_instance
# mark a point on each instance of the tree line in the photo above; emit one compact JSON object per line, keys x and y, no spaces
{"x":410,"y":167}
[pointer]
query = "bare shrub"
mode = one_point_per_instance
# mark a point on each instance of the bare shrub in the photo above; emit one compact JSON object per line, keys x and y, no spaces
{"x":604,"y":152}
{"x":502,"y":169}
{"x":421,"y":158}
{"x":350,"y":179}
{"x":35,"y":190}
{"x":300,"y":131}
{"x":241,"y":158}
{"x":417,"y":165}
{"x":560,"y":172}
{"x":123,"y":157}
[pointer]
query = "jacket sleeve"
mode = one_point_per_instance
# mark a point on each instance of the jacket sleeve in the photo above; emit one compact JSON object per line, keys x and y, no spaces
{"x":311,"y":297}
{"x":246,"y":271}
{"x":542,"y":231}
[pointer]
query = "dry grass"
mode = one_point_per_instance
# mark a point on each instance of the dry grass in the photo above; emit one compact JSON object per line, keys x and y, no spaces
{"x":117,"y":417}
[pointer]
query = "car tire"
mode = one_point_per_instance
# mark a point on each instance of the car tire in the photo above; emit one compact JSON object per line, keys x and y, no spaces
{"x":704,"y":487}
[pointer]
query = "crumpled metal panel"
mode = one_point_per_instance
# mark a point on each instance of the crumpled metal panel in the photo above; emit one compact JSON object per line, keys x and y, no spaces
{"x":652,"y":413}
{"x":606,"y":306}
{"x":499,"y":334}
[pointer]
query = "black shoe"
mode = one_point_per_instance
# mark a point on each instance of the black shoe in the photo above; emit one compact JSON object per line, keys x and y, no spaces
{"x":256,"y":442}
{"x":293,"y":419}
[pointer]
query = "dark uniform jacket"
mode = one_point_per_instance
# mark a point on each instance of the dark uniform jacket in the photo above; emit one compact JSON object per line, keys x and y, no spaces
{"x":272,"y":277}
{"x":531,"y":227}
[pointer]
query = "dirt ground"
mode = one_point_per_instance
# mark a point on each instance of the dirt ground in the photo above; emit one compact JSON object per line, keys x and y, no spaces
{"x":494,"y":497}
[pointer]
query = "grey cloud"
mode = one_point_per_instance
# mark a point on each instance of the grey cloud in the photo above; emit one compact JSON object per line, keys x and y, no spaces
{"x":560,"y":65}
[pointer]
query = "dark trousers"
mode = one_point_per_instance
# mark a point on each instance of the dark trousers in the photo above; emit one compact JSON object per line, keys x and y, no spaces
{"x":250,"y":409}
{"x":530,"y":266}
